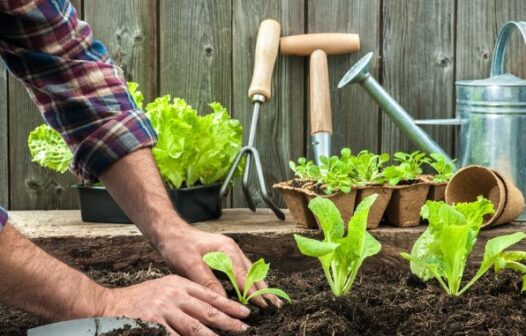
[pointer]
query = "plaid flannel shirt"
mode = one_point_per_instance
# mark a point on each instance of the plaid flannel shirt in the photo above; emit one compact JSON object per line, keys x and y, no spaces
{"x":71,"y":78}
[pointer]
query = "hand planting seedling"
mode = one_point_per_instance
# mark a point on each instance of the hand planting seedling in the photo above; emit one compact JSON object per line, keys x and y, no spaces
{"x":443,"y":167}
{"x":340,"y":256}
{"x":221,"y":262}
{"x":442,"y":251}
{"x":367,"y":167}
{"x":409,"y":168}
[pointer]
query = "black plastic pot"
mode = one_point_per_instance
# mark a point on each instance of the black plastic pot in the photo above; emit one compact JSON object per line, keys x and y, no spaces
{"x":194,"y":204}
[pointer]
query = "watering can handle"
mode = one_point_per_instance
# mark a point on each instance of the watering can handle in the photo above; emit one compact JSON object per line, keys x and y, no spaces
{"x":497,"y":63}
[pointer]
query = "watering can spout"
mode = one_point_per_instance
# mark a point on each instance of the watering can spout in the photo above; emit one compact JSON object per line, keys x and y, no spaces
{"x":359,"y":73}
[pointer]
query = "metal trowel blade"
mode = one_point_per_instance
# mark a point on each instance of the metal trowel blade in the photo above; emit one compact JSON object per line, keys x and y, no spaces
{"x":85,"y":327}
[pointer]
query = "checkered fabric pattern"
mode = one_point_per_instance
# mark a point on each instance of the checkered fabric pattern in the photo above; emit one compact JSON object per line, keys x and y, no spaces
{"x":71,"y":78}
{"x":3,"y":218}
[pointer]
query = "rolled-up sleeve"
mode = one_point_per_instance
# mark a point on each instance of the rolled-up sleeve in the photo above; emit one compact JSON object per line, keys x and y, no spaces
{"x":71,"y":78}
{"x":3,"y":218}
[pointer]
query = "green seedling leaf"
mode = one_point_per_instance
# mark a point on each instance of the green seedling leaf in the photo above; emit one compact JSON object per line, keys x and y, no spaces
{"x":258,"y":271}
{"x":331,"y":221}
{"x":222,"y":262}
{"x":314,"y":248}
{"x":340,"y":256}
{"x":443,"y":167}
{"x":275,"y":291}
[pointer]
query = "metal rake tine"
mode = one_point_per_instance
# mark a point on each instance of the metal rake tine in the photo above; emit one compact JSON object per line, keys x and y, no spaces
{"x":244,"y":184}
{"x":262,"y":185}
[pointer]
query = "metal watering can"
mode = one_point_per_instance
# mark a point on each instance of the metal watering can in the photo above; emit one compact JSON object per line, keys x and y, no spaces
{"x":491,"y":114}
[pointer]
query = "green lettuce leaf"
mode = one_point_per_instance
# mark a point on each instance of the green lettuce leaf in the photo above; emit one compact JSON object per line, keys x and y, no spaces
{"x":48,"y":149}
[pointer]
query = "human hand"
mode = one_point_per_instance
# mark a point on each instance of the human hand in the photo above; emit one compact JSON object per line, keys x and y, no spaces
{"x":185,"y":247}
{"x":180,"y":305}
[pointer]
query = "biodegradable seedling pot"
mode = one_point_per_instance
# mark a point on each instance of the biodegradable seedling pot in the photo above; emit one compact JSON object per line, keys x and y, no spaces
{"x":344,"y":202}
{"x":405,"y":204}
{"x":437,"y":190}
{"x":379,"y":206}
{"x":193,"y":204}
{"x":296,"y":201}
{"x":473,"y":181}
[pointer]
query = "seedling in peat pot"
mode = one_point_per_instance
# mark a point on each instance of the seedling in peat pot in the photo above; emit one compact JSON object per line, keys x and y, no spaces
{"x":221,"y":262}
{"x":443,"y":167}
{"x":340,"y":256}
{"x":410,"y":166}
{"x":305,"y":170}
{"x":442,"y":251}
{"x":367,"y":167}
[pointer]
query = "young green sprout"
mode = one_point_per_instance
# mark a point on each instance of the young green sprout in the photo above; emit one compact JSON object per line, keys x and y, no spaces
{"x":221,"y":262}
{"x":410,"y":166}
{"x":341,"y":256}
{"x":442,"y":251}
{"x":443,"y":167}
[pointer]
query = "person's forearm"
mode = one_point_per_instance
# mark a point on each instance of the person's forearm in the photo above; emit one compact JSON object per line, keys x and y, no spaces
{"x":135,"y":183}
{"x":34,"y":281}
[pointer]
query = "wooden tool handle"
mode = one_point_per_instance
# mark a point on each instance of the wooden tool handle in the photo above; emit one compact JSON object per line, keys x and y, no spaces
{"x":331,"y":43}
{"x":267,"y":46}
{"x":320,"y":95}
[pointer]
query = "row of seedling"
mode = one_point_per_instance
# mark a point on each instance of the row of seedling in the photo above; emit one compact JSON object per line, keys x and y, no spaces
{"x":441,"y":252}
{"x":402,"y":188}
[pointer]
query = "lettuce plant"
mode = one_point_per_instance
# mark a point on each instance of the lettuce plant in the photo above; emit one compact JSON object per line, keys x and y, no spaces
{"x":367,"y":167}
{"x":334,"y":175}
{"x":443,"y":167}
{"x":340,"y":255}
{"x":442,"y":251}
{"x":305,"y":170}
{"x":190,"y":149}
{"x":221,"y":262}
{"x":48,"y":149}
{"x":408,"y":169}
{"x":193,"y":148}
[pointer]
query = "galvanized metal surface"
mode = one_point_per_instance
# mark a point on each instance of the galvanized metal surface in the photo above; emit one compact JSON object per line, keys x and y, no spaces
{"x":359,"y":73}
{"x":321,"y":145}
{"x":494,"y":111}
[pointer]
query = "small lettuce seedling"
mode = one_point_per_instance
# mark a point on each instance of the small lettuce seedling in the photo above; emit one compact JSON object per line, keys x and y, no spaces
{"x":221,"y":262}
{"x":305,"y":170}
{"x":334,"y":175}
{"x":443,"y":167}
{"x":442,"y":251}
{"x":410,"y":166}
{"x":340,"y":256}
{"x":367,"y":167}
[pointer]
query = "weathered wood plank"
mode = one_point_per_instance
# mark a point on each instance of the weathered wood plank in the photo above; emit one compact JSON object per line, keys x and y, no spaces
{"x":4,"y":153}
{"x":355,"y":117}
{"x":418,"y":55}
{"x":262,"y":235}
{"x":32,"y":187}
{"x":128,"y":28}
{"x":516,"y":53}
{"x":280,"y":135}
{"x":195,"y":51}
{"x":476,"y":34}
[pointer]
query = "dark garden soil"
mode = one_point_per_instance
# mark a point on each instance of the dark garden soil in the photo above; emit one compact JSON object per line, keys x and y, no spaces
{"x":385,"y":302}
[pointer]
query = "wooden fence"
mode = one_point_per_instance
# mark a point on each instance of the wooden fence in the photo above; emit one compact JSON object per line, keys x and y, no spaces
{"x":202,"y":50}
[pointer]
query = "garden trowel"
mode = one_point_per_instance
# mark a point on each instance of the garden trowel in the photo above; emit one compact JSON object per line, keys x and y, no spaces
{"x":320,"y":105}
{"x":86,"y":327}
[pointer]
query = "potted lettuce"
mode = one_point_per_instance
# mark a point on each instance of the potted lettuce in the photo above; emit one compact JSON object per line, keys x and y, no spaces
{"x":193,"y":153}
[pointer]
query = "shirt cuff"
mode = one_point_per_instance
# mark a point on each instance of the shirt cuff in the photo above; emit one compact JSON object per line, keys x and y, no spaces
{"x":115,"y":139}
{"x":3,"y":218}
